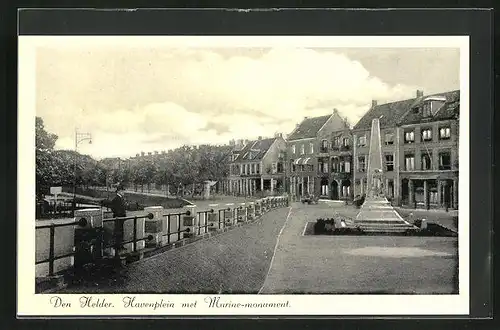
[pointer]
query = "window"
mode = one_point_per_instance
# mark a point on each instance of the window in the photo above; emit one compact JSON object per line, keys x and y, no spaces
{"x":257,"y":168}
{"x":252,"y":168}
{"x":324,"y":188}
{"x":444,"y":133}
{"x":409,"y":162}
{"x":336,"y":141}
{"x":292,"y":166}
{"x":361,"y":164}
{"x":389,"y":138}
{"x":293,"y":149}
{"x":234,"y":157}
{"x":345,"y":166}
{"x":409,"y":137}
{"x":445,"y":160}
{"x":280,"y":167}
{"x":335,"y":164}
{"x":389,"y":163}
{"x":302,"y":149}
{"x":433,"y":196}
{"x":274,"y":167}
{"x":311,"y":148}
{"x":426,"y":162}
{"x":345,"y":142}
{"x":324,"y":146}
{"x":426,"y":109}
{"x":325,"y":167}
{"x":362,"y":141}
{"x":427,"y":134}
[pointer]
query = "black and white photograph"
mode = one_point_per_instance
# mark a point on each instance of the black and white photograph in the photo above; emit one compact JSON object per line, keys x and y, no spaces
{"x":264,"y":174}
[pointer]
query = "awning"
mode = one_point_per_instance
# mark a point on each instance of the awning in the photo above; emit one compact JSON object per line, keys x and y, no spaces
{"x":305,"y":161}
{"x":297,"y":161}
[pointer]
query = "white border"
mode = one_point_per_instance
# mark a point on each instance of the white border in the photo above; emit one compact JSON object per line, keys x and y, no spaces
{"x":31,"y":304}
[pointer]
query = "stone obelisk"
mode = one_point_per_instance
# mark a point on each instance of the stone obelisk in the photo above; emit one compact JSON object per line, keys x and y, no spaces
{"x":375,"y":165}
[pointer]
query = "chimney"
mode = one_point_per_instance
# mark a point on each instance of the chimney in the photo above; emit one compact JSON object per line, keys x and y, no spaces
{"x":420,"y":93}
{"x":374,"y":103}
{"x":136,"y":155}
{"x":278,"y":135}
{"x":142,"y":153}
{"x":306,"y":117}
{"x":156,"y":152}
{"x":163,"y":152}
{"x":335,"y":111}
{"x":260,"y":138}
{"x":149,"y":153}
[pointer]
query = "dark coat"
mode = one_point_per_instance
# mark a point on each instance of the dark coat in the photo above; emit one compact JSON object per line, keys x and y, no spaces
{"x":118,"y":207}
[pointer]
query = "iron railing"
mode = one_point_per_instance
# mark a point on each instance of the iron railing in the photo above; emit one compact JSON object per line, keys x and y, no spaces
{"x":104,"y":243}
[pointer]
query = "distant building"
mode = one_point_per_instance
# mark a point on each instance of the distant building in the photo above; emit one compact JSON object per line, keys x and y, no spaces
{"x":257,"y":167}
{"x":313,"y":167}
{"x":419,"y":139}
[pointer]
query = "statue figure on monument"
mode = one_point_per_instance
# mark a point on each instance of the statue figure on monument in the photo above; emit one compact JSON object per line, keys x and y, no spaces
{"x":375,"y":173}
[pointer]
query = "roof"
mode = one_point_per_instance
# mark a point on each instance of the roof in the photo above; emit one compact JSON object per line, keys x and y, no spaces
{"x":449,"y":110}
{"x":308,"y":128}
{"x":257,"y":148}
{"x":394,"y":113}
{"x":388,"y":114}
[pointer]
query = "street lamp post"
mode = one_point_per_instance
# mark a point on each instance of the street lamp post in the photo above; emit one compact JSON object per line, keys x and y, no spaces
{"x":79,"y":138}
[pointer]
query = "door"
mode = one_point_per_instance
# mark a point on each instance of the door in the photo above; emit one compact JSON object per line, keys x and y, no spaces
{"x":334,"y":191}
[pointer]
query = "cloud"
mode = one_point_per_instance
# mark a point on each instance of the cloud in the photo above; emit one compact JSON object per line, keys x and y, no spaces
{"x":159,"y":98}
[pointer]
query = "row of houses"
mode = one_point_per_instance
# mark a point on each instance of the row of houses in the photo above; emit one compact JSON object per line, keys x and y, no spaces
{"x":325,"y":157}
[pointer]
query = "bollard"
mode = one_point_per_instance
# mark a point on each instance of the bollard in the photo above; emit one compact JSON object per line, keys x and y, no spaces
{"x":229,"y":215}
{"x":189,"y":222}
{"x":241,"y":213}
{"x":258,"y":208}
{"x":88,"y":236}
{"x":154,"y":226}
{"x":251,"y":211}
{"x":212,"y":218}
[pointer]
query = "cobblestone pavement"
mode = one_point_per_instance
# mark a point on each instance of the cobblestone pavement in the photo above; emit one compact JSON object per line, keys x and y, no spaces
{"x":233,"y":262}
{"x":358,"y":264}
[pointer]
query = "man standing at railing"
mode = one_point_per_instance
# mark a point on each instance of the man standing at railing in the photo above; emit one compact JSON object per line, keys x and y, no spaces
{"x":118,"y":208}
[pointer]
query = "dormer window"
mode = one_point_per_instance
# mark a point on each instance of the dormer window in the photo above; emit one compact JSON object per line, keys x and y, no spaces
{"x":426,"y":109}
{"x":293,"y":149}
{"x":302,"y":150}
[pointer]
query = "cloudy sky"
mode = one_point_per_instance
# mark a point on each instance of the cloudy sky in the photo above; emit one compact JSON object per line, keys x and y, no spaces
{"x":146,"y":99}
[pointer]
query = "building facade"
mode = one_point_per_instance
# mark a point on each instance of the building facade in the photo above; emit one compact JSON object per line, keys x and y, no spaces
{"x":315,"y":165}
{"x":419,"y":139}
{"x":258,"y":167}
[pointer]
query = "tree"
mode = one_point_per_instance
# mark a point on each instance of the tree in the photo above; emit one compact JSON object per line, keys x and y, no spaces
{"x":43,"y":140}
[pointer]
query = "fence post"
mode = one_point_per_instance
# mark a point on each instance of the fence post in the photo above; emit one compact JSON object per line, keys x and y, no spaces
{"x":189,"y":221}
{"x":154,"y":226}
{"x":51,"y":249}
{"x":212,"y":218}
{"x":168,"y":229}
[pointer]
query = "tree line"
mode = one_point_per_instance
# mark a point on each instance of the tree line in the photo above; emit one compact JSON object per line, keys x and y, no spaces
{"x":180,"y":167}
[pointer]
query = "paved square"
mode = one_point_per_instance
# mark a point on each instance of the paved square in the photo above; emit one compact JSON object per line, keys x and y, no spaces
{"x":358,"y":264}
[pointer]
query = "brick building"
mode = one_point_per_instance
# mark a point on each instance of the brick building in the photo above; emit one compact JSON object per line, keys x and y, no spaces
{"x":419,"y":139}
{"x":309,"y":145}
{"x":257,"y":167}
